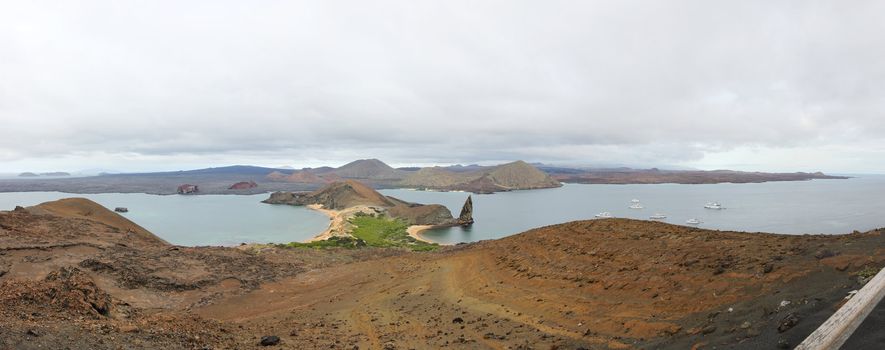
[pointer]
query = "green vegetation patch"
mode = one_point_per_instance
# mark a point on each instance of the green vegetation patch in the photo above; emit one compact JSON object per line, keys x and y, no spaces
{"x":868,"y":272}
{"x":332,"y":242}
{"x":372,"y":231}
{"x":381,"y":231}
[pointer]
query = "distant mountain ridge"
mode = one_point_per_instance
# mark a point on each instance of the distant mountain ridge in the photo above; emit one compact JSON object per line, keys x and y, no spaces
{"x":51,"y":174}
{"x":232,"y":169}
{"x":475,"y":178}
{"x":517,"y":175}
{"x":369,"y":169}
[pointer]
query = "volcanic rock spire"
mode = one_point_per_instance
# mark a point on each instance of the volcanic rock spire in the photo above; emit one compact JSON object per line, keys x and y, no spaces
{"x":466,"y":217}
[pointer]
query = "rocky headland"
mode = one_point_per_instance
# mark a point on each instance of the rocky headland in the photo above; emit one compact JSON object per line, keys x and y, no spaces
{"x":345,"y":199}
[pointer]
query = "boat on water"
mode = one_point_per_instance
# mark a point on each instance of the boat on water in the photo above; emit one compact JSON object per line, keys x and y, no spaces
{"x":693,"y":222}
{"x":713,"y":205}
{"x":635,"y":204}
{"x":658,"y":216}
{"x":604,"y":215}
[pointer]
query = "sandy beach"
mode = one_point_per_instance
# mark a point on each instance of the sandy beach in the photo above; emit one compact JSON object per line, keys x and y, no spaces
{"x":337,"y":221}
{"x":415,"y":232}
{"x":338,"y":226}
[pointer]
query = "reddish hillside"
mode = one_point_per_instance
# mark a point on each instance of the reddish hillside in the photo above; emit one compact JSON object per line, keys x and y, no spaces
{"x":243,"y":185}
{"x":82,"y":208}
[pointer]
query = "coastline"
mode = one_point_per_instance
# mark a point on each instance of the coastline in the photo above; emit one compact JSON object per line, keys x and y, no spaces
{"x":335,"y":220}
{"x":339,"y":217}
{"x":414,"y":231}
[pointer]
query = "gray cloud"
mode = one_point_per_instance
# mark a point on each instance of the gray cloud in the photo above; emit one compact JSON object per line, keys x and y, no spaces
{"x":634,"y":82}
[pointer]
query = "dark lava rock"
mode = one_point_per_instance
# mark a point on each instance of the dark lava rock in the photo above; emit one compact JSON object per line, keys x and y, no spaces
{"x":824,"y":253}
{"x":787,"y":323}
{"x":32,"y":333}
{"x":269,"y":340}
{"x":708,"y":329}
{"x":466,"y":217}
{"x":457,"y":320}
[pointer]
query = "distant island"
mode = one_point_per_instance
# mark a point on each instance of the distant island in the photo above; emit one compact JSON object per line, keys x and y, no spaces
{"x":513,"y":176}
{"x":53,"y":174}
{"x":623,"y":176}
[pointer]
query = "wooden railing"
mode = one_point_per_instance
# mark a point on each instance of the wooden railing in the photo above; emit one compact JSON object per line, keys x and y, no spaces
{"x":839,"y":327}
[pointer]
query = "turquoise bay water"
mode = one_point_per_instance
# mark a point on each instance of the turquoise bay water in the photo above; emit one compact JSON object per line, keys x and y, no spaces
{"x":818,"y":206}
{"x":199,"y":220}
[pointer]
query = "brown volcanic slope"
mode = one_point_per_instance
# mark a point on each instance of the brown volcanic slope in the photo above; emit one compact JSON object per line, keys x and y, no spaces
{"x":521,"y":175}
{"x":588,"y":284}
{"x":82,"y":208}
{"x":337,"y":196}
{"x":436,"y":177}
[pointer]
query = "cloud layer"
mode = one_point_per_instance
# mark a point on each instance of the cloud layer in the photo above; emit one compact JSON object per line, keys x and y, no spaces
{"x":690,"y":83}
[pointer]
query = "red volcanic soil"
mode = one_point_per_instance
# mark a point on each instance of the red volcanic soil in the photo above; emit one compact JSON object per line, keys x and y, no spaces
{"x":67,"y":280}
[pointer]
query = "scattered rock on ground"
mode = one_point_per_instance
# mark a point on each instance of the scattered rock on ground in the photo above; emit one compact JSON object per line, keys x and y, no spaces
{"x":269,"y":340}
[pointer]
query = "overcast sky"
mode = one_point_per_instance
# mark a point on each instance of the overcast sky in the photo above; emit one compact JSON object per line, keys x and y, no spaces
{"x":161,"y":85}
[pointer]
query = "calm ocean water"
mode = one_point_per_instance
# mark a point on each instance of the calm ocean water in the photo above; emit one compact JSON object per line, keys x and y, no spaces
{"x":199,"y":220}
{"x":818,"y":206}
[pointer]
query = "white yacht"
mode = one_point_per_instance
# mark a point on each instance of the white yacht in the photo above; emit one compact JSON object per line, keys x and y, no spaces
{"x":604,"y":215}
{"x":658,"y":216}
{"x":636,"y":206}
{"x":713,"y":205}
{"x":693,"y":222}
{"x":634,"y":201}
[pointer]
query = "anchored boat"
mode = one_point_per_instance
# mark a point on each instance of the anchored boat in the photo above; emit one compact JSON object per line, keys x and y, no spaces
{"x":713,"y":205}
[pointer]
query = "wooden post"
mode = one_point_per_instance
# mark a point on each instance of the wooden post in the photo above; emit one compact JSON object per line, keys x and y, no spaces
{"x":839,"y":327}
